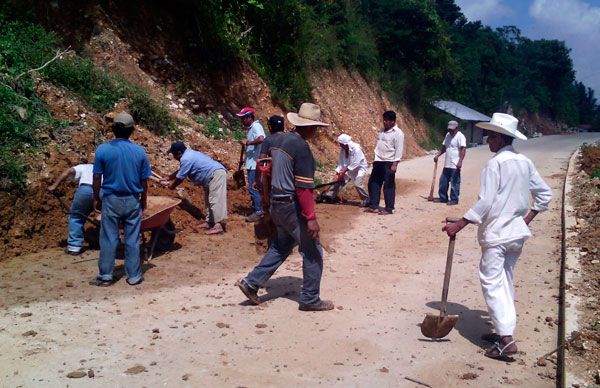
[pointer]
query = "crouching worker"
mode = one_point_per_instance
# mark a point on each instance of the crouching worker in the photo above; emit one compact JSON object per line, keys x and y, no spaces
{"x":352,"y":166}
{"x":293,"y":211}
{"x":125,"y":170}
{"x":82,"y":205}
{"x":208,"y":173}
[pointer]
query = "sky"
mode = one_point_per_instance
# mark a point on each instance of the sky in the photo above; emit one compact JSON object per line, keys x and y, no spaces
{"x":576,"y":22}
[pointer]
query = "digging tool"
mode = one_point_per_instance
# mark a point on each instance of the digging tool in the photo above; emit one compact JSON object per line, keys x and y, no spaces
{"x":238,"y":176}
{"x":430,"y":198}
{"x":68,"y":211}
{"x":326,"y":184}
{"x":438,"y":326}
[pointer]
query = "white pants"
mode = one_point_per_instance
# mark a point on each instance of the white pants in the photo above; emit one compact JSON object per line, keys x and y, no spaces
{"x":357,"y":177}
{"x":496,"y":275}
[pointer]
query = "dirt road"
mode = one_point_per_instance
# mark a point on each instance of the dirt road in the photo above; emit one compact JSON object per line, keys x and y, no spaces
{"x":187,"y":325}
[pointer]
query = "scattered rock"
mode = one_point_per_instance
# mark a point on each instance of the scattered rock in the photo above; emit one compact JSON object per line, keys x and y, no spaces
{"x":134,"y":370}
{"x":155,"y":331}
{"x":185,"y":377}
{"x":222,"y":325}
{"x":29,"y":333}
{"x":76,"y":374}
{"x":91,"y":374}
{"x":469,"y":376}
{"x":384,"y":370}
{"x":260,"y":325}
{"x":25,"y":315}
{"x":549,"y":319}
{"x":541,"y":362}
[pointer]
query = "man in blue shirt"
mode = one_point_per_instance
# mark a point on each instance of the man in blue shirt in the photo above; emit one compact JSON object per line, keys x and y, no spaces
{"x":208,"y":173}
{"x":125,"y":170}
{"x":254,"y":137}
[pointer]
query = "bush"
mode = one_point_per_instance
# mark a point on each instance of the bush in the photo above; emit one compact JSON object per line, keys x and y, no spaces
{"x":213,"y":127}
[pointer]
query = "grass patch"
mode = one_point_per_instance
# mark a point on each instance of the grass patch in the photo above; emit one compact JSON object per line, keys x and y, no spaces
{"x":214,"y":127}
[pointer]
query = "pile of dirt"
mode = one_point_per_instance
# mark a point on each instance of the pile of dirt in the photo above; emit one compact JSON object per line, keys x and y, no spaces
{"x":535,"y":123}
{"x":585,"y":345}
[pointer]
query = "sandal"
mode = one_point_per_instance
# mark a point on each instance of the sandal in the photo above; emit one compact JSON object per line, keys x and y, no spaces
{"x":491,"y":337}
{"x":498,"y":352}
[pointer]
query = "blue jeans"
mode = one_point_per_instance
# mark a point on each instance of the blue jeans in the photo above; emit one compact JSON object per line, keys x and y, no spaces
{"x":291,"y":231}
{"x":83,"y":202}
{"x":254,"y":194}
{"x":382,"y":175}
{"x":449,"y":176}
{"x":117,"y":209}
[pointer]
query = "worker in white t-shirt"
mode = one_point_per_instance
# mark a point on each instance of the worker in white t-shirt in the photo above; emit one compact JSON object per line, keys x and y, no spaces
{"x":82,"y":206}
{"x":455,"y":147}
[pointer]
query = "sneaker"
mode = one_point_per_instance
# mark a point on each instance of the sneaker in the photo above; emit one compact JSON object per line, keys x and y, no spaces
{"x":384,"y":212}
{"x":451,"y":203}
{"x":250,"y":292}
{"x":101,"y":283}
{"x":73,"y":253}
{"x":321,"y":305}
{"x":255,"y":217}
{"x":136,"y":283}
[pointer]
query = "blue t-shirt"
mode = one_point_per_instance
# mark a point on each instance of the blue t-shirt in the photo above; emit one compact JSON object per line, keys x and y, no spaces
{"x":198,"y":167}
{"x":123,"y":166}
{"x":255,"y":130}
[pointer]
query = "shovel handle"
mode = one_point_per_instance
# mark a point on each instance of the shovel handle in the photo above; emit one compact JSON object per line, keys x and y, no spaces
{"x":430,"y":198}
{"x":447,"y":275}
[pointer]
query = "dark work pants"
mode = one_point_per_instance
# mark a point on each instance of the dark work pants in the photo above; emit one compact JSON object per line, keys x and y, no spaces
{"x":381,"y":175}
{"x":450,"y":176}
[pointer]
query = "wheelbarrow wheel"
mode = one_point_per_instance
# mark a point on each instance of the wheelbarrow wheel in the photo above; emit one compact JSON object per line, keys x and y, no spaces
{"x":166,"y":236}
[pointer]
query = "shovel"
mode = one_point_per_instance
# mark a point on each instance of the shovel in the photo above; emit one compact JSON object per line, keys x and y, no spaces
{"x":430,"y":198}
{"x":238,"y":176}
{"x":438,"y":326}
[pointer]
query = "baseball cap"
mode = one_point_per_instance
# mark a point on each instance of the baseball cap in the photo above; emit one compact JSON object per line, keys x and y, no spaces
{"x":124,"y":119}
{"x":245,"y":112}
{"x":178,"y":146}
{"x":452,"y":124}
{"x":276,"y":122}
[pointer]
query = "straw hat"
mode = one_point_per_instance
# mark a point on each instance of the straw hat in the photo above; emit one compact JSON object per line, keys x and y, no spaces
{"x":309,"y":114}
{"x":344,"y":139}
{"x":503,"y":123}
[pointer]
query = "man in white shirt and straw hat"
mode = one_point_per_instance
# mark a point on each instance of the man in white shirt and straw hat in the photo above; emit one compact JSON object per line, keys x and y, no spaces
{"x":352,"y":166}
{"x":293,"y":211}
{"x":503,"y":214}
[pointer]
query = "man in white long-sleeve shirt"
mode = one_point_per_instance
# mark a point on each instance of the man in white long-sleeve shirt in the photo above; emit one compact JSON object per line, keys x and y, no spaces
{"x":352,"y":166}
{"x":503,"y":214}
{"x":388,"y":152}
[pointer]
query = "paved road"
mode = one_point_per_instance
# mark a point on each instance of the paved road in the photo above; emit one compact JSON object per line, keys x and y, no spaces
{"x":385,"y":275}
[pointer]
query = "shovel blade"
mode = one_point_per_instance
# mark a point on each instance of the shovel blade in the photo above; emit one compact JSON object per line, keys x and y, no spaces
{"x":239,"y":179}
{"x":438,"y":326}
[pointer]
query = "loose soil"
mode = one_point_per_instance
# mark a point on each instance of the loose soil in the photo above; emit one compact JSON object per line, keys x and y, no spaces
{"x":584,"y":347}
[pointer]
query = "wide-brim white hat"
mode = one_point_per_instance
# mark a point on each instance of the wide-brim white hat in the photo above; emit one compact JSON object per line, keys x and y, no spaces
{"x":503,"y":123}
{"x":309,"y":114}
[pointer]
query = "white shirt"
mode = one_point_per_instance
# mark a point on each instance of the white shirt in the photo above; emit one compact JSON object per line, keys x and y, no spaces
{"x":453,"y":145}
{"x":355,"y":160}
{"x":255,"y":130}
{"x":506,"y":183}
{"x":84,"y":173}
{"x":390,"y":145}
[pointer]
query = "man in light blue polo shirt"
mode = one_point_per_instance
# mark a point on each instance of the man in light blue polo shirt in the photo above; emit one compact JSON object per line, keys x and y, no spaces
{"x":254,"y":137}
{"x":125,"y":170}
{"x":208,"y":173}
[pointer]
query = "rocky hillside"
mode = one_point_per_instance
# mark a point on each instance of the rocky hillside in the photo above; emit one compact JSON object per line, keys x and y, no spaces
{"x":152,"y":58}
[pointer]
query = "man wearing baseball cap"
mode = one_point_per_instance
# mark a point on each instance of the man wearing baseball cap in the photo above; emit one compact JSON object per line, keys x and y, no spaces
{"x":503,"y":213}
{"x":293,"y":211}
{"x":120,"y":183}
{"x":455,"y":148}
{"x":203,"y":171}
{"x":255,"y":135}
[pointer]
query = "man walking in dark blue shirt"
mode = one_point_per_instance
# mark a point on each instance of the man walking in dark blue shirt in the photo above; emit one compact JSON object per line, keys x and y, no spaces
{"x":125,"y":169}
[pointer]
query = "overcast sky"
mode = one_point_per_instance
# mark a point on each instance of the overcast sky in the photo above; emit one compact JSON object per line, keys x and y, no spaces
{"x":577,"y":22}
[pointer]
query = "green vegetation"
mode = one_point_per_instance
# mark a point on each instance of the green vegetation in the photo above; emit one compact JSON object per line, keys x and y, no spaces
{"x":213,"y":127}
{"x":27,"y":50}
